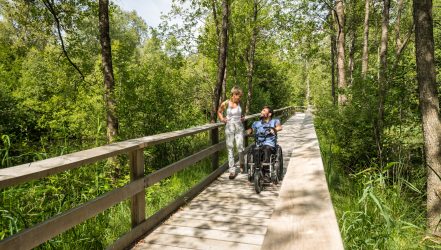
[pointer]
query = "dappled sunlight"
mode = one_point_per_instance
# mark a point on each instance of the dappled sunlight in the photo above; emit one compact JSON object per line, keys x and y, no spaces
{"x":229,"y":214}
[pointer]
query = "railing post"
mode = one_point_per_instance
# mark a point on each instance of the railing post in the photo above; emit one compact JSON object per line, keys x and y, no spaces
{"x":214,"y":136}
{"x":137,"y":202}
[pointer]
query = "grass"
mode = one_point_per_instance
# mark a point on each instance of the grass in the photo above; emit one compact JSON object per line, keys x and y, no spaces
{"x":30,"y":203}
{"x":378,"y":208}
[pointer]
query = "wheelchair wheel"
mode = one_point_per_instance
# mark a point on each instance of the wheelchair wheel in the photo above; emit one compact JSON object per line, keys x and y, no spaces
{"x":250,"y":167}
{"x":279,"y":163}
{"x":275,"y":175}
{"x":258,"y":182}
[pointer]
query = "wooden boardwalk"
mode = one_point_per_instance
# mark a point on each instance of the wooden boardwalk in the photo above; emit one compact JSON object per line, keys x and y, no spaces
{"x":228,"y":214}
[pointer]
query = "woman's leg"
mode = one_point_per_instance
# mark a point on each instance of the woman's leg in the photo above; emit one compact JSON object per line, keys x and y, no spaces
{"x":239,"y":131}
{"x":229,"y":136}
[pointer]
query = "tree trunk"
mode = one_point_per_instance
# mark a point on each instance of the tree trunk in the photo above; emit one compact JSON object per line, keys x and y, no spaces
{"x":223,"y":95}
{"x":365,"y":57}
{"x":109,"y":81}
{"x":382,"y":77}
{"x":308,"y":84}
{"x":351,"y":56}
{"x":429,"y":105}
{"x":251,"y":53}
{"x":352,"y":40}
{"x":341,"y":53}
{"x":221,"y":62}
{"x":398,"y":42}
{"x":333,"y":52}
{"x":216,"y":21}
{"x":216,"y":24}
{"x":224,"y":83}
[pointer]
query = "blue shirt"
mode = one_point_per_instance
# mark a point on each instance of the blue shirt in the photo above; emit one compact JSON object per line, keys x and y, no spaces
{"x":259,"y":128}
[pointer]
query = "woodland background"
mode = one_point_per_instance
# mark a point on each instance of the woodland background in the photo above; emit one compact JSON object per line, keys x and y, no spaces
{"x":53,"y":102}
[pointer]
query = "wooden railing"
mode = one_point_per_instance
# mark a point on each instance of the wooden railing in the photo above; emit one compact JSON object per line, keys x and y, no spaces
{"x":134,"y":190}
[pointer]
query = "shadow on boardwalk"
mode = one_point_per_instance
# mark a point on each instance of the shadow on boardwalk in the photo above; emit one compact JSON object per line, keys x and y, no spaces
{"x":230,"y":215}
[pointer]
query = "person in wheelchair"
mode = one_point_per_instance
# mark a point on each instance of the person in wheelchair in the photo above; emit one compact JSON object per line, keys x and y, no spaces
{"x":266,"y":124}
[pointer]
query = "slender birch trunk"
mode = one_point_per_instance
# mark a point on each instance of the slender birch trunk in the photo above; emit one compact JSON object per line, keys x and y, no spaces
{"x":341,"y":53}
{"x":398,"y":42}
{"x":351,"y":56}
{"x":382,"y":76}
{"x":365,"y":57}
{"x":333,"y":52}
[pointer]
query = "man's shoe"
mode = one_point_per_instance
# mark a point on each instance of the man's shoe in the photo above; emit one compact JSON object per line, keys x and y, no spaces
{"x":232,"y":176}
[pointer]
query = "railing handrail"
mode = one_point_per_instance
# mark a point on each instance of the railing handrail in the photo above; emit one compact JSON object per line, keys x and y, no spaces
{"x":43,"y":168}
{"x":135,"y":189}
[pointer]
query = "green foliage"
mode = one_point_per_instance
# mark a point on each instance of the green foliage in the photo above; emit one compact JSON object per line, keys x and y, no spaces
{"x":378,"y":208}
{"x":164,"y":82}
{"x":380,"y":203}
{"x":56,"y":194}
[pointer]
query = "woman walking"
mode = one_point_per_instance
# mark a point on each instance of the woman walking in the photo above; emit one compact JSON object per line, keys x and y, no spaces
{"x":233,"y":128}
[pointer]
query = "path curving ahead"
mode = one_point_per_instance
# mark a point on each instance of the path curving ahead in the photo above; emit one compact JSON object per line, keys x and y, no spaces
{"x":297,"y":214}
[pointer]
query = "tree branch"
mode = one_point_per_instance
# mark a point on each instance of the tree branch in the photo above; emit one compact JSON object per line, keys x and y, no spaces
{"x":51,"y":9}
{"x":406,"y":40}
{"x":216,"y":22}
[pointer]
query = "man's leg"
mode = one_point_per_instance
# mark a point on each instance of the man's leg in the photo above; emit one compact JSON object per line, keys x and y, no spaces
{"x":267,"y":151}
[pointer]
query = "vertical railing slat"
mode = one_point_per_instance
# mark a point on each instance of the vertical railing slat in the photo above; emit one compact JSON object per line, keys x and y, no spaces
{"x":137,"y":202}
{"x":214,"y":136}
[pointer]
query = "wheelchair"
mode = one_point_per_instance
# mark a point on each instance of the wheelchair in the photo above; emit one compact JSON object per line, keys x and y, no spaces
{"x":263,"y":173}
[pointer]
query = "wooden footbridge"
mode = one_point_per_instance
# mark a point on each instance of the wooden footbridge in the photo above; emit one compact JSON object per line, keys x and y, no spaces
{"x":217,"y":213}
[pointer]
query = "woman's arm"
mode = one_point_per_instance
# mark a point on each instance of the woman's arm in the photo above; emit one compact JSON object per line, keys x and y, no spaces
{"x":220,"y":112}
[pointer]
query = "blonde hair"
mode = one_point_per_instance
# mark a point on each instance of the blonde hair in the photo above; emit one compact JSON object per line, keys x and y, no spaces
{"x":236,"y":90}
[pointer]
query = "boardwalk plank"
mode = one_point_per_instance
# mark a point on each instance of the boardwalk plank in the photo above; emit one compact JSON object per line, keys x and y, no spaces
{"x":225,"y":218}
{"x":218,"y":225}
{"x":142,"y":245}
{"x":226,"y":213}
{"x":236,"y":211}
{"x":212,"y":234}
{"x":194,"y":243}
{"x":250,"y":207}
{"x":238,"y":195}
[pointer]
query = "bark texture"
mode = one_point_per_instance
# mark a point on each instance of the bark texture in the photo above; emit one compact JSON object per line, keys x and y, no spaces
{"x":333,"y":53}
{"x":341,"y":52}
{"x":251,"y":53}
{"x":429,"y":105}
{"x":365,"y":57}
{"x":222,"y":60}
{"x":109,"y":81}
{"x":382,"y":76}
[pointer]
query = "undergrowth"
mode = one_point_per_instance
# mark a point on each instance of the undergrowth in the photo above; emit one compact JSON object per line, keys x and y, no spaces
{"x":377,"y":207}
